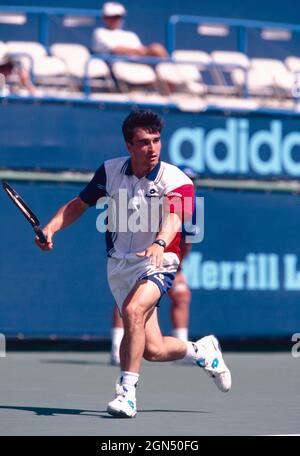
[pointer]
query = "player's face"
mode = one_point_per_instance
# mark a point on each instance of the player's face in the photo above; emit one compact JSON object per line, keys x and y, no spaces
{"x":145,"y":148}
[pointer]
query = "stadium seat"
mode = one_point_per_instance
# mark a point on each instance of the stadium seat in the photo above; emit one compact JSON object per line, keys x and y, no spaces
{"x":282,"y":78}
{"x":230,"y":58}
{"x":225,"y":63}
{"x":180,"y":78}
{"x":30,"y":48}
{"x":265,"y":78}
{"x":184,"y":75}
{"x":46,"y":70}
{"x":81,"y":65}
{"x":213,"y":78}
{"x":293,"y":65}
{"x":201,"y":58}
{"x":133,"y":76}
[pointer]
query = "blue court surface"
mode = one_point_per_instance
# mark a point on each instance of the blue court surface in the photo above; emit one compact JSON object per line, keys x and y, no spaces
{"x":66,"y":393}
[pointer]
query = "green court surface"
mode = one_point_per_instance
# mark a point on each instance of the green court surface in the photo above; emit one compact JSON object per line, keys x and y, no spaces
{"x":63,"y":393}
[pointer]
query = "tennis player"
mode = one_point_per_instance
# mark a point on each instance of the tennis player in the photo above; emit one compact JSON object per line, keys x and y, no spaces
{"x":180,"y":297}
{"x":142,"y":263}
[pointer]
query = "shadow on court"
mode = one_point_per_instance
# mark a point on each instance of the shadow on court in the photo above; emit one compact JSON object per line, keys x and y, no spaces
{"x":140,"y":412}
{"x":74,"y":362}
{"x":46,"y":411}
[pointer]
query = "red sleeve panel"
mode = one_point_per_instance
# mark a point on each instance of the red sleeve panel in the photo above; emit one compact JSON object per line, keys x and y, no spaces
{"x":181,"y":201}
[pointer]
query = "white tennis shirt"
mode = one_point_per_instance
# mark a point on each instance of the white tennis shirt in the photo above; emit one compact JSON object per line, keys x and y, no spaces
{"x":136,"y":202}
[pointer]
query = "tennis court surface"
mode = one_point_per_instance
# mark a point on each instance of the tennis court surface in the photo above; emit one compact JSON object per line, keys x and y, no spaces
{"x":66,"y":393}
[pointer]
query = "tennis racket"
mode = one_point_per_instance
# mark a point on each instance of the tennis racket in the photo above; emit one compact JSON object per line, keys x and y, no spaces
{"x":28,"y":214}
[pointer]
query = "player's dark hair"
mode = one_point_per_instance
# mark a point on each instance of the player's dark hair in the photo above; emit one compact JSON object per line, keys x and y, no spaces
{"x":146,"y":119}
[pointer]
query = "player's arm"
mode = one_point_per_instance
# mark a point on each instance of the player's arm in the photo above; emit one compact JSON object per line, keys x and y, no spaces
{"x":71,"y":211}
{"x":64,"y":217}
{"x":177,"y":208}
{"x":169,"y":229}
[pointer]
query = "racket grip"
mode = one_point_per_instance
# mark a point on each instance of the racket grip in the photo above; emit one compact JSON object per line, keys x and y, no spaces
{"x":40,"y":235}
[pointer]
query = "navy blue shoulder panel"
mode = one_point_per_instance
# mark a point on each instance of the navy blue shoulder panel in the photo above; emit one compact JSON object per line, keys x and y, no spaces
{"x":96,"y":188}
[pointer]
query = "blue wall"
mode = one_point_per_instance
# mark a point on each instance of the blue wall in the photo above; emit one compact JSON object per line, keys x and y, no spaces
{"x":81,"y":137}
{"x":254,"y":236}
{"x":149,"y":20}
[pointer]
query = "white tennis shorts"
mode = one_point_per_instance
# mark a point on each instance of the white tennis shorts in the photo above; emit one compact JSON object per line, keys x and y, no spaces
{"x":124,"y":273}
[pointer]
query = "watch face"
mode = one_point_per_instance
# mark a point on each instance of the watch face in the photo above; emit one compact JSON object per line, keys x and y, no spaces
{"x":160,"y":242}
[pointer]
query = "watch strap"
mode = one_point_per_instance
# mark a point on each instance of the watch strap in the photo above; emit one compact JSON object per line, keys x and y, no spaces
{"x":160,"y":242}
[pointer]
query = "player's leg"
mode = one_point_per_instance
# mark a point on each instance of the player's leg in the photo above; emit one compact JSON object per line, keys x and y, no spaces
{"x":180,"y":297}
{"x":205,"y":353}
{"x":159,"y":347}
{"x":117,"y":333}
{"x":136,"y":310}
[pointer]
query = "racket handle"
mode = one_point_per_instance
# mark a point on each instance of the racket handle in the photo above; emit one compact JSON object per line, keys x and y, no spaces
{"x":40,"y":235}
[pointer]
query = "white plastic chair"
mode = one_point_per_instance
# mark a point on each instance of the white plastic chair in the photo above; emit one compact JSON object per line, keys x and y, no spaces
{"x":281,"y":79}
{"x":229,"y":58}
{"x":203,"y":62}
{"x":134,"y":76}
{"x":201,"y":58}
{"x":81,"y":64}
{"x":31,"y":48}
{"x":46,"y":70}
{"x":226,"y":62}
{"x":293,"y":65}
{"x":180,"y":78}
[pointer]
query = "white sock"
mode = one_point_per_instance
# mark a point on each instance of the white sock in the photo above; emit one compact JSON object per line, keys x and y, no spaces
{"x":180,"y":333}
{"x":129,"y":381}
{"x":116,"y":338}
{"x":193,"y":352}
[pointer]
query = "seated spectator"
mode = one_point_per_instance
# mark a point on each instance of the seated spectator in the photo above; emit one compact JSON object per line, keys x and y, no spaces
{"x":9,"y":66}
{"x":113,"y":39}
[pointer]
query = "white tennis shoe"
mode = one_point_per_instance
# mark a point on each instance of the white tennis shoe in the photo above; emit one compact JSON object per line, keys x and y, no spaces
{"x":213,"y":362}
{"x":124,"y":405}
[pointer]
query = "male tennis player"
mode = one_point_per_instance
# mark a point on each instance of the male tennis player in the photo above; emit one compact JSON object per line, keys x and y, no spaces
{"x":180,"y":296}
{"x":142,"y":263}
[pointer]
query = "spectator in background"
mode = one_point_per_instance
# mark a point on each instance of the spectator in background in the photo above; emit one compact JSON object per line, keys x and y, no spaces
{"x":113,"y":39}
{"x":8,"y":67}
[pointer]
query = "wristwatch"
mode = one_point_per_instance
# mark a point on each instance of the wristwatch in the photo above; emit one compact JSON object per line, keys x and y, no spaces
{"x":160,"y":242}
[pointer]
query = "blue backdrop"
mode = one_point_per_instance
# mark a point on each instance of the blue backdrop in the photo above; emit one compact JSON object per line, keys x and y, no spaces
{"x":244,"y":275}
{"x":81,"y":137}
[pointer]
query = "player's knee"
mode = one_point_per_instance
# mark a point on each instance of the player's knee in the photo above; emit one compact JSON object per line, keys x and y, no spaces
{"x":133,"y":314}
{"x":181,"y":294}
{"x":152,"y":353}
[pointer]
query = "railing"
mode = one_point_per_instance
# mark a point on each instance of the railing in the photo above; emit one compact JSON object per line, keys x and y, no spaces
{"x":44,"y":15}
{"x":242,"y":26}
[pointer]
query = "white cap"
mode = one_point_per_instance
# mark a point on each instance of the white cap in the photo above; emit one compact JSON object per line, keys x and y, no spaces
{"x":113,"y":9}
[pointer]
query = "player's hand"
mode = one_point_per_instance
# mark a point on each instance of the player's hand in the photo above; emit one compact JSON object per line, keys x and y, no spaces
{"x":156,"y":254}
{"x":49,"y":235}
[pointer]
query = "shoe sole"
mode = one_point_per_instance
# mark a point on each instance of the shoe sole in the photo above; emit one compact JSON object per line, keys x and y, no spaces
{"x":217,"y":347}
{"x":119,"y":413}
